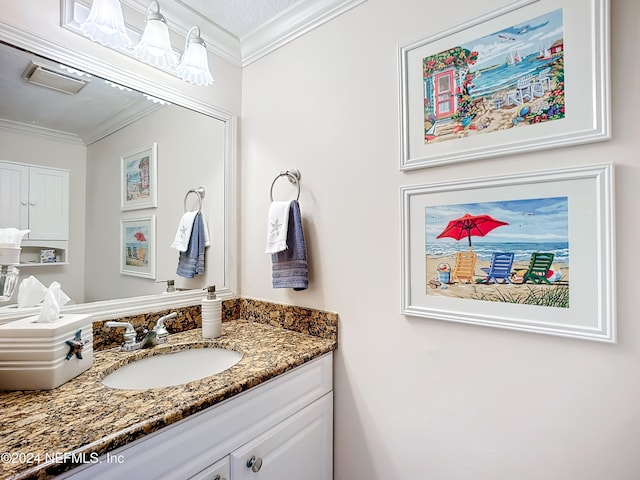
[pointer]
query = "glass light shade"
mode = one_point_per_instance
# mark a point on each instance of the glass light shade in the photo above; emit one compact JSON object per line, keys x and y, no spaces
{"x":105,"y":24}
{"x":154,"y":47}
{"x":194,"y":65}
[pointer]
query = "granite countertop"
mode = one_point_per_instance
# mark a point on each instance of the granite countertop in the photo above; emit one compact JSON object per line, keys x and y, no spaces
{"x":39,"y":429}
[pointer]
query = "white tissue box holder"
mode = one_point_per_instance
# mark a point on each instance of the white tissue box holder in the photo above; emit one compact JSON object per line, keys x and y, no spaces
{"x":33,"y":356}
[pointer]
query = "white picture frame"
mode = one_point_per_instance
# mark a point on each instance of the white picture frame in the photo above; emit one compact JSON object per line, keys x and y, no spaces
{"x":139,"y":179}
{"x":455,"y":119}
{"x":588,"y":311}
{"x":138,"y":247}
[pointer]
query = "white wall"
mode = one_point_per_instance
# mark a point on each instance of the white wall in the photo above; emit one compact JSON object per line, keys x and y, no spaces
{"x":418,"y":398}
{"x":35,"y":150}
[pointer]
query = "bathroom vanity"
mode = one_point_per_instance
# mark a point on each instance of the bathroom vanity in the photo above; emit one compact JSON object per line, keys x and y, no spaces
{"x":269,"y":413}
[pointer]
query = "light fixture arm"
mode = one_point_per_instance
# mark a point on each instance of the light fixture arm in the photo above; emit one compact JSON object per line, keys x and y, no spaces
{"x":197,"y":39}
{"x":154,"y":15}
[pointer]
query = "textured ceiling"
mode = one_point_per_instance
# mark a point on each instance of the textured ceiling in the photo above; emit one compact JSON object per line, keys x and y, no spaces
{"x":241,"y":17}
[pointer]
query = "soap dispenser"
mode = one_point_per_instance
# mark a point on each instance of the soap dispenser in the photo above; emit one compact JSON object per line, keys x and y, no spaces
{"x":211,"y":314}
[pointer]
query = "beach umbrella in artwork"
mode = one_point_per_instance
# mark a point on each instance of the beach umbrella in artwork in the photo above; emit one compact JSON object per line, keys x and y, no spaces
{"x":470,"y":225}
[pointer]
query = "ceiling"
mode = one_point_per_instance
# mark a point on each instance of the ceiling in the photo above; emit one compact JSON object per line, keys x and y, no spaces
{"x":240,"y":30}
{"x":245,"y":30}
{"x":97,"y":110}
{"x":241,"y":17}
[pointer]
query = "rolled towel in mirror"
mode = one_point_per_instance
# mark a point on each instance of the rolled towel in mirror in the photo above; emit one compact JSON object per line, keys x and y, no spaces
{"x":183,"y":235}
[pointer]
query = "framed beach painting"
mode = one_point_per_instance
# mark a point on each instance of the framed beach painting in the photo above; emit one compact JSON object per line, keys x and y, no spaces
{"x":531,"y":251}
{"x":138,"y":247}
{"x":531,"y":75}
{"x":139,"y":177}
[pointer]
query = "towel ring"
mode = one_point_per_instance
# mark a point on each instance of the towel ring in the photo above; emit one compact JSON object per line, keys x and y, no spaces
{"x":200,"y":191}
{"x":293,"y":176}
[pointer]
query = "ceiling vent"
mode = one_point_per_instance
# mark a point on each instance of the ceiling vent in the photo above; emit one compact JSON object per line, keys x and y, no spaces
{"x":44,"y":76}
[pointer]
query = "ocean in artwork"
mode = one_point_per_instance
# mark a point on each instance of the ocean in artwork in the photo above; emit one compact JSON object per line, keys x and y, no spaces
{"x":510,"y":78}
{"x":512,"y":251}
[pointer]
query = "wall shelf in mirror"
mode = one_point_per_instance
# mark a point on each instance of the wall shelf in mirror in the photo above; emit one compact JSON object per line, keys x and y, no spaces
{"x":44,"y":253}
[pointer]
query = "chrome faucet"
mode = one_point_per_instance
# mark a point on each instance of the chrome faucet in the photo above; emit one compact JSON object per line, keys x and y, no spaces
{"x":157,"y":336}
{"x":161,"y":333}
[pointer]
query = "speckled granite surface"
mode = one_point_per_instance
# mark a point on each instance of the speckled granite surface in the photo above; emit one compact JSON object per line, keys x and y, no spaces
{"x":85,"y":417}
{"x":299,"y":319}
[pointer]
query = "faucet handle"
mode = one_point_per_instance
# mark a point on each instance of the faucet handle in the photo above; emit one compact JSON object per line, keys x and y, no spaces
{"x":160,"y":329}
{"x":129,"y":332}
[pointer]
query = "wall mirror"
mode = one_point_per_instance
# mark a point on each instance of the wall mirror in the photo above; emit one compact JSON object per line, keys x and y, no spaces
{"x":111,"y":118}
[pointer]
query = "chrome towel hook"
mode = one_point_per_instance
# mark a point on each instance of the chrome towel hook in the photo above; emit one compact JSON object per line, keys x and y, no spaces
{"x":200,"y":191}
{"x":292,"y":175}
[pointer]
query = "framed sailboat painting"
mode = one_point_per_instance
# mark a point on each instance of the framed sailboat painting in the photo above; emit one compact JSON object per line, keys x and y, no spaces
{"x":528,"y":76}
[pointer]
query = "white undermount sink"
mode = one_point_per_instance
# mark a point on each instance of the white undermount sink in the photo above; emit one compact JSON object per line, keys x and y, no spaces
{"x":176,"y":368}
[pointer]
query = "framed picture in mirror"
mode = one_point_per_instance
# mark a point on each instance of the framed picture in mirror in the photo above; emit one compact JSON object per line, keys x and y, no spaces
{"x":139,"y":179}
{"x":138,"y":247}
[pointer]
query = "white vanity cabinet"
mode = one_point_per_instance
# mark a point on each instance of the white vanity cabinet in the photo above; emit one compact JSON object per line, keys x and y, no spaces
{"x":36,"y":198}
{"x":285,"y":424}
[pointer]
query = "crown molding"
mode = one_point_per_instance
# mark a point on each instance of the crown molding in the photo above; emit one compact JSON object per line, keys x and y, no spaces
{"x":35,"y":131}
{"x":119,"y":121}
{"x":292,"y":24}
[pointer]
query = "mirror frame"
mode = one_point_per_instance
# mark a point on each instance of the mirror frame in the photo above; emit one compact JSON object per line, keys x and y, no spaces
{"x":136,"y":305}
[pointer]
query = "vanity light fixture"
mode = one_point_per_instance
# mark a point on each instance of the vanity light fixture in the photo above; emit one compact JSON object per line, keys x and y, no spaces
{"x":154,"y":47}
{"x":105,"y":25}
{"x":194,"y":66}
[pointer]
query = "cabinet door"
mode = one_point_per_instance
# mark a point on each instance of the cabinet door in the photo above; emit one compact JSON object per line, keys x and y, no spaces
{"x":14,"y":196}
{"x":48,"y":204}
{"x":217,"y":471}
{"x":300,"y":447}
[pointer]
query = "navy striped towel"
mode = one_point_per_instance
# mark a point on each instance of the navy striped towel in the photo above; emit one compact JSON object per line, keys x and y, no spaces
{"x":191,"y":262}
{"x":289,"y":267}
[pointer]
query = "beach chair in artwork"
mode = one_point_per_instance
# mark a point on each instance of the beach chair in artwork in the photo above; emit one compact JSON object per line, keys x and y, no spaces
{"x":500,"y":268}
{"x":539,"y":266}
{"x":542,"y":83}
{"x":465,"y":266}
{"x":513,"y":97}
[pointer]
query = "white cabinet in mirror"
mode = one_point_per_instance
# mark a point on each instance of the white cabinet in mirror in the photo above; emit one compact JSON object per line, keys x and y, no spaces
{"x":36,"y":198}
{"x":44,"y":128}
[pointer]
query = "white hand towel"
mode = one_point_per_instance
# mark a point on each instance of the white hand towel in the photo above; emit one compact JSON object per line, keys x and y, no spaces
{"x":181,"y":242}
{"x":277,"y":226}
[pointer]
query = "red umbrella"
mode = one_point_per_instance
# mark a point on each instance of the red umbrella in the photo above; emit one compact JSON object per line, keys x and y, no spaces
{"x":468,"y":225}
